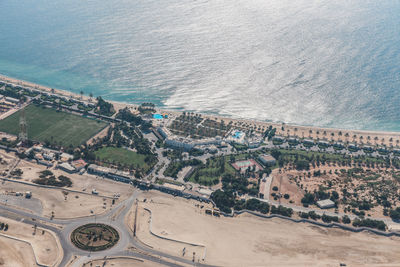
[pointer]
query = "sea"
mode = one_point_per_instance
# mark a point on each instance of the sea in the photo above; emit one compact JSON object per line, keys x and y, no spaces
{"x":308,"y":62}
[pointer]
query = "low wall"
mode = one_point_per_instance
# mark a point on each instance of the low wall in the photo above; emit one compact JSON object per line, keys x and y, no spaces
{"x":327,"y":225}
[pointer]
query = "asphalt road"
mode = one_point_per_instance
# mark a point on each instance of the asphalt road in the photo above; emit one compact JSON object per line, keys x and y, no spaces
{"x":114,"y":217}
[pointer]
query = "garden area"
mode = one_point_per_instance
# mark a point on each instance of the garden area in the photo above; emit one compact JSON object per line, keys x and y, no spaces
{"x":94,"y":237}
{"x":123,"y":158}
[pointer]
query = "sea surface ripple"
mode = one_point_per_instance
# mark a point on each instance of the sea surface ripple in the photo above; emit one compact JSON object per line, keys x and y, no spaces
{"x":322,"y":63}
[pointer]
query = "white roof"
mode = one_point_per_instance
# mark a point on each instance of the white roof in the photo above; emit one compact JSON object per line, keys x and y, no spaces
{"x":66,"y":166}
{"x":267,"y":157}
{"x":205,"y":191}
{"x":325,"y":202}
{"x":66,"y":155}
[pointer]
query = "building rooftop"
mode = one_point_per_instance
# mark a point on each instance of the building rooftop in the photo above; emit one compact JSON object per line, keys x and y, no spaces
{"x":205,"y":191}
{"x":267,"y":157}
{"x":326,"y":203}
{"x":66,"y":166}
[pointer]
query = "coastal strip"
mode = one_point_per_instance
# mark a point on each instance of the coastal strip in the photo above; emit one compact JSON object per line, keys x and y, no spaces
{"x":363,"y":137}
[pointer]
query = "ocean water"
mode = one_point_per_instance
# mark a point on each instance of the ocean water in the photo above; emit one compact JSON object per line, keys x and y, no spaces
{"x":323,"y":63}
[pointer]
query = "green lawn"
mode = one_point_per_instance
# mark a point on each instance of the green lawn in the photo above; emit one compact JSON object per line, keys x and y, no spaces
{"x":210,"y":173}
{"x":56,"y":127}
{"x":123,"y":157}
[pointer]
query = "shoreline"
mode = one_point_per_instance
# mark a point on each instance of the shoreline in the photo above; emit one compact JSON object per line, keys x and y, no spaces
{"x":292,"y":130}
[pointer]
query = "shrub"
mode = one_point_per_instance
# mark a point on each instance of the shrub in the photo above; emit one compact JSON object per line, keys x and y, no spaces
{"x":380,"y":225}
{"x":346,"y":219}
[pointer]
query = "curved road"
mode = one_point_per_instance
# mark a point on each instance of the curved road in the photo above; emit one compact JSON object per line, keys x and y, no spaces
{"x":114,"y":217}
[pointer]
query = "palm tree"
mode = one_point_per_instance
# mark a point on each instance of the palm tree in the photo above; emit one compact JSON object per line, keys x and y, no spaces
{"x":81,"y":94}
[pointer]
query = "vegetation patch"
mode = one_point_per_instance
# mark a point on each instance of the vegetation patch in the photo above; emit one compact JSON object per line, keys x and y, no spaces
{"x":211,"y":172}
{"x":47,"y":178}
{"x":195,"y":126}
{"x":176,"y":166}
{"x":123,"y":157}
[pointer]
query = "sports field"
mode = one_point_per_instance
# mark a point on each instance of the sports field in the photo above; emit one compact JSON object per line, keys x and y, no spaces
{"x":124,"y":157}
{"x":55,"y":127}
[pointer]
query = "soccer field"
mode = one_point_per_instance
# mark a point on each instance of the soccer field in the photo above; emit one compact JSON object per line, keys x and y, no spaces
{"x":56,"y":127}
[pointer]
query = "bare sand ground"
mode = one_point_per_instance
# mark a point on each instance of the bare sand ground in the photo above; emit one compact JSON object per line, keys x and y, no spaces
{"x":84,"y":183}
{"x":99,"y":135}
{"x":15,"y":253}
{"x":175,"y":248}
{"x":121,"y":262}
{"x":344,"y":135}
{"x":45,"y":246}
{"x":247,"y":240}
{"x":66,"y":204}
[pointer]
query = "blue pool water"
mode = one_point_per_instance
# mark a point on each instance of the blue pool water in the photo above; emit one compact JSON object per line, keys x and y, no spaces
{"x":238,"y":135}
{"x":157,"y":116}
{"x":324,"y":63}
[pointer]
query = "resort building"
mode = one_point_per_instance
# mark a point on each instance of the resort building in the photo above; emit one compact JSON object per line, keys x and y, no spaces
{"x":78,"y":164}
{"x":110,"y":173}
{"x":48,"y":156}
{"x":185,"y":143}
{"x":308,"y":142}
{"x":267,"y":159}
{"x":66,"y":167}
{"x":12,"y":100}
{"x":237,"y":136}
{"x":66,"y":157}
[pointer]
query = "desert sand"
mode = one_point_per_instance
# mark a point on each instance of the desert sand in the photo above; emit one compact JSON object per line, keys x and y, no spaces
{"x":43,"y":244}
{"x":247,"y":240}
{"x":15,"y":253}
{"x":60,"y":200}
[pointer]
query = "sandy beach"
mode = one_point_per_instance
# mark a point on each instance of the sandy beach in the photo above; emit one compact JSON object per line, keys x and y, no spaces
{"x":372,"y":138}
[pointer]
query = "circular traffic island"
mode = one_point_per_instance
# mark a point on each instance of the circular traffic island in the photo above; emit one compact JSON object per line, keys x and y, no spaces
{"x":94,"y":237}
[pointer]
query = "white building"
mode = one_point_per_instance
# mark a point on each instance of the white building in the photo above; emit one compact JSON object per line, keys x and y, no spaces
{"x":326,"y":204}
{"x":12,"y":100}
{"x":205,"y":192}
{"x":48,"y":155}
{"x":66,"y":167}
{"x":185,"y":143}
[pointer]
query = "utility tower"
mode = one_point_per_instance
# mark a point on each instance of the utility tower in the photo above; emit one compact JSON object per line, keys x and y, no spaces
{"x":23,"y":134}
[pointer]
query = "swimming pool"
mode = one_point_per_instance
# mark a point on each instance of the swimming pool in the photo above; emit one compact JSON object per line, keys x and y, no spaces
{"x":237,"y":134}
{"x":157,"y":116}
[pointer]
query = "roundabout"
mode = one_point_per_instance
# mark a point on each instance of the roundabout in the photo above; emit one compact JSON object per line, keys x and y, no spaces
{"x":94,"y":237}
